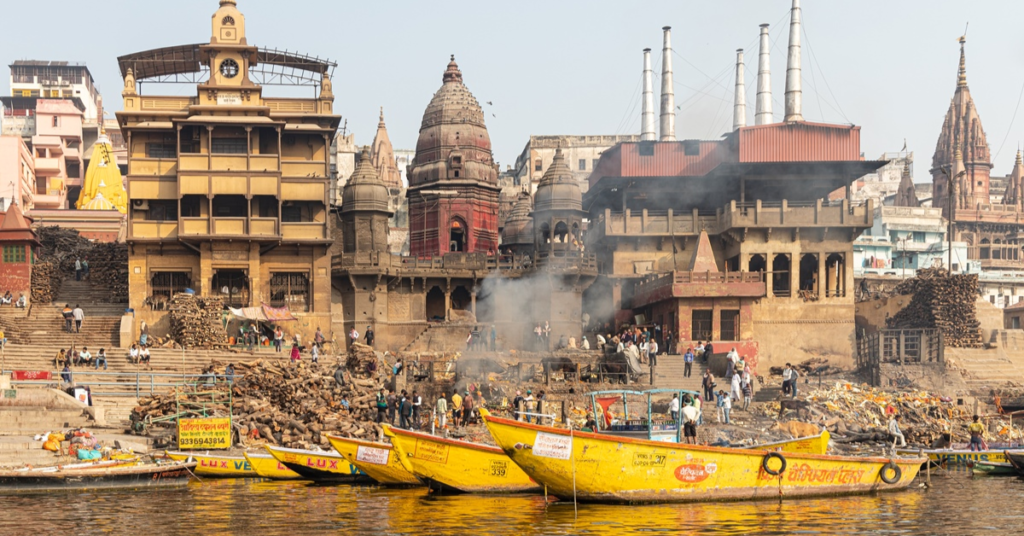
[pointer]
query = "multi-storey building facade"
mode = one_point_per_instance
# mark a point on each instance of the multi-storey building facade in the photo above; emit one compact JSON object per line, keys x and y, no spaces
{"x":229,"y":187}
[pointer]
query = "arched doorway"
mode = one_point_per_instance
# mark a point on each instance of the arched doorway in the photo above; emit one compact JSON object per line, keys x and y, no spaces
{"x":809,"y":272}
{"x":561,"y":232}
{"x":757,"y":264}
{"x":545,"y":233}
{"x":435,"y":305}
{"x":780,"y":275}
{"x":462,"y":300}
{"x":835,"y":275}
{"x":457,"y":235}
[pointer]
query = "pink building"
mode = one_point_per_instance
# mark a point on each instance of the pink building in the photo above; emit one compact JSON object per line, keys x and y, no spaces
{"x":57,"y":145}
{"x":17,"y":172}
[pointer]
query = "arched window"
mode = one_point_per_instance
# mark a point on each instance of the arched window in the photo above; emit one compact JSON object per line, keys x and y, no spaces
{"x":228,"y":21}
{"x":561,"y":232}
{"x":457,"y":235}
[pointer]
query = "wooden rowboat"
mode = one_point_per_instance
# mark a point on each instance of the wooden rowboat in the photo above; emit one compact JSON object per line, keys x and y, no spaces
{"x":378,"y":460}
{"x":453,"y":465}
{"x":318,"y":466}
{"x":101,"y":475}
{"x":603,"y":468}
{"x":267,"y":466}
{"x":216,"y":465}
{"x":993,"y":469}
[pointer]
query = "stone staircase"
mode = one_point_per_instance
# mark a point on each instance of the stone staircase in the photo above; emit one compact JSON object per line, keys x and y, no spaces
{"x":990,"y":368}
{"x":668,"y":374}
{"x":44,"y":325}
{"x":30,"y":420}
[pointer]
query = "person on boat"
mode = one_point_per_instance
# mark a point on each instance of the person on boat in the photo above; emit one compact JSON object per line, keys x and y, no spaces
{"x":977,"y":431}
{"x":456,"y":409}
{"x":382,"y":405}
{"x":895,"y":432}
{"x":708,"y":383}
{"x":688,"y":363}
{"x":590,"y":425}
{"x":528,"y":405}
{"x":673,"y":408}
{"x":441,"y":408}
{"x":690,"y":415}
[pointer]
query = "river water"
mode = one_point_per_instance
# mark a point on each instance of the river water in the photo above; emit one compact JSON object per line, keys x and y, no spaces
{"x":956,"y":504}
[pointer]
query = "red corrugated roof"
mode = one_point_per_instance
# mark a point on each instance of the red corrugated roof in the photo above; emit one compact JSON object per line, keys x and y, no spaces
{"x":799,"y":142}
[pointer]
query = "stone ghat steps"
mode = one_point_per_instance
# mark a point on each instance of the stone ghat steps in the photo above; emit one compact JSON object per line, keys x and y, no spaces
{"x":34,"y":420}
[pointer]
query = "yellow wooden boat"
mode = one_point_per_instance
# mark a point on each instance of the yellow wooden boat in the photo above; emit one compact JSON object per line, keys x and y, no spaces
{"x":318,"y":466}
{"x":267,"y":466}
{"x":808,"y":445}
{"x":604,"y":468}
{"x":958,"y":456}
{"x":378,"y":460}
{"x":216,"y":465}
{"x":449,"y":464}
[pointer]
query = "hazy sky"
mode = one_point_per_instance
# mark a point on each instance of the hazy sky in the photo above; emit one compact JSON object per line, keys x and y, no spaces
{"x":574,"y":67}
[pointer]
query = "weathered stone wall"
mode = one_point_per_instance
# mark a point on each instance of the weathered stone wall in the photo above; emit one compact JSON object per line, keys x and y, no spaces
{"x":791,"y":331}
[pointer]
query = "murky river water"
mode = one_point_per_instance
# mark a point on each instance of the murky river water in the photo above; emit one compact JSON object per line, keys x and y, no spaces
{"x":957,"y":504}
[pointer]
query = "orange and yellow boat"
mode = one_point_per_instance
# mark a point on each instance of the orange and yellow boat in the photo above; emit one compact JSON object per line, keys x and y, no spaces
{"x":267,"y":466}
{"x":216,"y":465}
{"x":449,"y":464}
{"x":605,"y":468}
{"x":317,"y":466}
{"x":378,"y":460}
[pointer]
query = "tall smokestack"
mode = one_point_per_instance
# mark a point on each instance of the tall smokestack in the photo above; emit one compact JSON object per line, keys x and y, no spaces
{"x":668,"y":100}
{"x":794,"y":93}
{"x":739,"y":107}
{"x":647,"y":132}
{"x":763,"y":112}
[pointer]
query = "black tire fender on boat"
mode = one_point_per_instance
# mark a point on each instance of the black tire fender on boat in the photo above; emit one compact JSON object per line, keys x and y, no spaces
{"x":770,"y":455}
{"x":897,"y":473}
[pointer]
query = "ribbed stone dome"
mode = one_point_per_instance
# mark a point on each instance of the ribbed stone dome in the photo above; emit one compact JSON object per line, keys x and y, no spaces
{"x":453,"y":121}
{"x":558,"y":190}
{"x":364,"y":191}
{"x":519,"y":225}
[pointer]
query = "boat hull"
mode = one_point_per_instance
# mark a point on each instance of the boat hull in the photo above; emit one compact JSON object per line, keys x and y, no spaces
{"x":808,"y":445}
{"x":602,"y":468}
{"x":121,"y":476}
{"x":267,"y":466}
{"x":958,"y":457}
{"x":215,"y":465}
{"x":993,"y":469}
{"x":318,"y":466}
{"x":450,"y":465}
{"x":378,"y":460}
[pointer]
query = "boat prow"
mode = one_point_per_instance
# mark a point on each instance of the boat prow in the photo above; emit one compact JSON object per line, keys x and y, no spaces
{"x":216,"y":465}
{"x":267,"y":466}
{"x":605,"y":468}
{"x":817,"y":444}
{"x":378,"y":460}
{"x":317,"y":466}
{"x":100,"y":475}
{"x":450,"y":464}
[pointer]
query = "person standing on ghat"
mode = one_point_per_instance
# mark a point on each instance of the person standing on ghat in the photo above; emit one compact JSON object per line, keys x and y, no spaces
{"x":69,"y":318}
{"x":79,"y":315}
{"x":382,"y":405}
{"x":688,"y":363}
{"x":442,"y":410}
{"x":78,"y":269}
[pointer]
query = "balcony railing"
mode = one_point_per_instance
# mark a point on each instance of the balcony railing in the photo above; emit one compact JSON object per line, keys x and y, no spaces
{"x":154,"y":229}
{"x":153,"y":166}
{"x":194,"y":226}
{"x":304,"y":231}
{"x":229,"y":226}
{"x":263,"y":227}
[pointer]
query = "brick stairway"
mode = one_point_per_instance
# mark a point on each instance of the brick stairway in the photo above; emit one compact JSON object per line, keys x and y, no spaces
{"x":668,"y":374}
{"x":990,"y":368}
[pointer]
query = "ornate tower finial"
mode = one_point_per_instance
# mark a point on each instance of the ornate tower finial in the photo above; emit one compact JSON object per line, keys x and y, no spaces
{"x":380,"y":122}
{"x":962,"y":78}
{"x":228,"y":3}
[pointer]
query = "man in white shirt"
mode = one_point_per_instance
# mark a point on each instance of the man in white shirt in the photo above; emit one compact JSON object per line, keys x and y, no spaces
{"x":79,"y":316}
{"x":601,"y":341}
{"x":895,"y":432}
{"x":673,"y":408}
{"x":585,"y":344}
{"x":787,"y":379}
{"x":690,"y":416}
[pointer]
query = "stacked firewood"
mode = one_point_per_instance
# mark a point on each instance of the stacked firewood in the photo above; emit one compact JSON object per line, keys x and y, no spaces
{"x":108,"y":269}
{"x":196,"y":321}
{"x":46,"y":281}
{"x":59,"y":248}
{"x":287,"y":405}
{"x":942,"y":301}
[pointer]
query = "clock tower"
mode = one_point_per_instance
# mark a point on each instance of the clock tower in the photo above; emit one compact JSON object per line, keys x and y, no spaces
{"x":229,"y":57}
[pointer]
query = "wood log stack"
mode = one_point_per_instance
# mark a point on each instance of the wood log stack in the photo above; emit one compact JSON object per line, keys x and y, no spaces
{"x":46,"y":281}
{"x":196,"y":321}
{"x":287,"y":405}
{"x":60,"y":248}
{"x":941,"y":301}
{"x":108,"y":269}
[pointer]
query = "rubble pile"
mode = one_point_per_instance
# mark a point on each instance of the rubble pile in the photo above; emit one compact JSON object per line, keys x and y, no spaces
{"x":196,"y":321}
{"x":942,"y":301}
{"x":287,"y":405}
{"x":859,"y":413}
{"x":810,"y":367}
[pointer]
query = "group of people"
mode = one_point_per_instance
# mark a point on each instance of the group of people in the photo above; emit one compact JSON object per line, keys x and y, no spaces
{"x":72,"y":357}
{"x":353,"y":335}
{"x":639,"y":344}
{"x":138,"y":354}
{"x":478,"y":339}
{"x":81,"y":269}
{"x":528,"y":406}
{"x":8,"y":299}
{"x":73,"y":318}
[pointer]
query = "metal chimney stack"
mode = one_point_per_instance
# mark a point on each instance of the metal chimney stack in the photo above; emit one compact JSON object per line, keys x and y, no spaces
{"x":763,"y":112}
{"x":668,"y":100}
{"x":739,"y":107}
{"x":794,"y":93}
{"x":647,"y":132}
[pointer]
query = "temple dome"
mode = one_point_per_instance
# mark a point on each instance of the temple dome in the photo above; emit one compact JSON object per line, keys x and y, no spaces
{"x":518,"y":228}
{"x":364,"y":191}
{"x":558,"y":190}
{"x":453,"y":122}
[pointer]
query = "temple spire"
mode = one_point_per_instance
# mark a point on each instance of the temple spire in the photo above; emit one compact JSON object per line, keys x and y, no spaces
{"x":962,"y":74}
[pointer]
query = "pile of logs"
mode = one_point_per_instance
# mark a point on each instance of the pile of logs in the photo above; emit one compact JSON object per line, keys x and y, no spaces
{"x":287,"y":405}
{"x":108,"y":269}
{"x":59,"y":248}
{"x":942,"y":301}
{"x":46,"y":281}
{"x":196,"y":321}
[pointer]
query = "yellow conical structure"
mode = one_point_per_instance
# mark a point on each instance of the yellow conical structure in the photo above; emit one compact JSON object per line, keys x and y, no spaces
{"x":103,"y":188}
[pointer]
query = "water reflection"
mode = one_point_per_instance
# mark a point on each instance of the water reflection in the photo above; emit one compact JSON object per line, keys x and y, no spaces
{"x":957,"y":504}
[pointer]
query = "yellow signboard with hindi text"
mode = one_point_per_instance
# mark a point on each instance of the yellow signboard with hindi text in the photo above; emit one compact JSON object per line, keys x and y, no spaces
{"x":212,"y":433}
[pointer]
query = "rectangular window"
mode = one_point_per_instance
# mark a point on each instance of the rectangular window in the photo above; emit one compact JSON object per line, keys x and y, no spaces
{"x":1016,"y":322}
{"x":291,"y":290}
{"x":700,"y":329}
{"x":14,"y":254}
{"x":168,"y":284}
{"x":593,"y":163}
{"x":538,"y":165}
{"x":918,"y":236}
{"x":730,"y":325}
{"x":691,"y":148}
{"x":583,"y":164}
{"x":230,"y":146}
{"x":162,"y":211}
{"x":646,"y":148}
{"x":161,"y":150}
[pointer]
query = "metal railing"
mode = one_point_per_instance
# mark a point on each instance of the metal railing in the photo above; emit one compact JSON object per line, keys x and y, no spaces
{"x":132,"y":384}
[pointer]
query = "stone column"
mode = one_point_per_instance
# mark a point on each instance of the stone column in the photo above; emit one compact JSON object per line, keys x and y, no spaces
{"x":769,"y":275}
{"x":821,"y":276}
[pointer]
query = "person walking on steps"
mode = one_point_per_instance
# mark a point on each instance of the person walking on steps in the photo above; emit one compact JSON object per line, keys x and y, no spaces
{"x":79,"y":316}
{"x":69,"y":318}
{"x":688,"y":363}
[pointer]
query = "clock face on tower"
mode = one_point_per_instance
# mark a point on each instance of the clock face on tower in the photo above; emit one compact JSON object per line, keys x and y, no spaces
{"x":229,"y":68}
